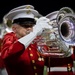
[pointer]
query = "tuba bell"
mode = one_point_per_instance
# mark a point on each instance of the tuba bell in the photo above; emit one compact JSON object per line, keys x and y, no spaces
{"x":66,"y":24}
{"x":66,"y":28}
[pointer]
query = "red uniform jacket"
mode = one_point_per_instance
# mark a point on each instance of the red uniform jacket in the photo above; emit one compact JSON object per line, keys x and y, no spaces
{"x":19,"y":61}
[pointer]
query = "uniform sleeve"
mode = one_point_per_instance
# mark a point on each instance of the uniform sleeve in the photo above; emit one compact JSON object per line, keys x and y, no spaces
{"x":10,"y":47}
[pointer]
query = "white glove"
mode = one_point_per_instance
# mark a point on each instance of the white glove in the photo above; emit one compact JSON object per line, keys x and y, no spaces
{"x":41,"y":24}
{"x":37,"y":30}
{"x":26,"y":40}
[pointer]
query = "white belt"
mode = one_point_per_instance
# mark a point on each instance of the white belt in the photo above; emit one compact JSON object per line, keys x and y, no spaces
{"x":61,"y":69}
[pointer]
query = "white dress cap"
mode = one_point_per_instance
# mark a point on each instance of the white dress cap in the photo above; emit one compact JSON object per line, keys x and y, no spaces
{"x":25,"y":11}
{"x":20,"y":10}
{"x":24,"y":15}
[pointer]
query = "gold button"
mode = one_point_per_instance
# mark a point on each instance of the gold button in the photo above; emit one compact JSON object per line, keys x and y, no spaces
{"x":31,"y":55}
{"x":34,"y":67}
{"x":35,"y":73}
{"x":42,"y":59}
{"x":29,"y":48}
{"x":39,"y":59}
{"x":33,"y":61}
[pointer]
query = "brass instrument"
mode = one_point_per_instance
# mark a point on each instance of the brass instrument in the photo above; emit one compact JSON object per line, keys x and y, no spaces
{"x":61,"y":36}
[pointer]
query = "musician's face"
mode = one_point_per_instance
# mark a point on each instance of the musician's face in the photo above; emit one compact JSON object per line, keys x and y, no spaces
{"x":21,"y":31}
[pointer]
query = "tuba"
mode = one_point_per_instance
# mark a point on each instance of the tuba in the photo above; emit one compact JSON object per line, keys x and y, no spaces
{"x":58,"y":39}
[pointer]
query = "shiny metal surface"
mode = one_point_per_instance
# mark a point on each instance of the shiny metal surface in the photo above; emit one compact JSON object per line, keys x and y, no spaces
{"x":56,"y":42}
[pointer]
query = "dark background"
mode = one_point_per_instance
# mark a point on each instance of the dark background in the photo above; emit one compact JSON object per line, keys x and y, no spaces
{"x":43,"y":6}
